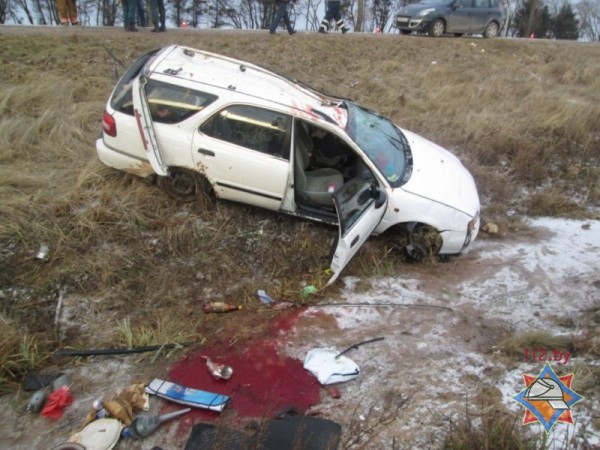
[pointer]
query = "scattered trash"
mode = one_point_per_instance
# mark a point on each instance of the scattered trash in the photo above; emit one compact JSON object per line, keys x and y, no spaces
{"x":122,"y":405}
{"x":60,"y":381}
{"x":57,"y":401}
{"x":69,"y":446}
{"x":267,"y":300}
{"x":490,"y":228}
{"x":36,"y":401}
{"x":42,"y":252}
{"x":101,"y":434}
{"x":218,"y":371}
{"x":264,"y":298}
{"x":282,"y":305}
{"x":220,"y":307}
{"x":36,"y":382}
{"x":328,"y":368}
{"x":433,"y":63}
{"x":308,"y":290}
{"x":144,"y":425}
{"x":187,"y":396}
{"x":335,"y":393}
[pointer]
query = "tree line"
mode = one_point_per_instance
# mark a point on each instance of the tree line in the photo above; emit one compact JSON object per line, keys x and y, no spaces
{"x":547,"y":19}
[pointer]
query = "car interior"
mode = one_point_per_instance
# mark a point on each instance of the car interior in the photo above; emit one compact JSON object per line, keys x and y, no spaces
{"x":323,"y":163}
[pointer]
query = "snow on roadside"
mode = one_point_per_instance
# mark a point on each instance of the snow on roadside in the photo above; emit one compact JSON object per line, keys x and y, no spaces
{"x":434,"y":354}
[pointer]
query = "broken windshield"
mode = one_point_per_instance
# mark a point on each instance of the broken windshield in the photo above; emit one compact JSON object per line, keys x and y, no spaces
{"x":383,"y":143}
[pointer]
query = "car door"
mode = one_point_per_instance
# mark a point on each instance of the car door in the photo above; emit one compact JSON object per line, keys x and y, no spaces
{"x":481,"y":12}
{"x":143,"y":118}
{"x":360,"y":206}
{"x":458,"y":21}
{"x":244,"y":151}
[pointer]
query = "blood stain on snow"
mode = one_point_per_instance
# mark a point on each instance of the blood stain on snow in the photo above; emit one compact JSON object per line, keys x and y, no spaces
{"x":263,"y":383}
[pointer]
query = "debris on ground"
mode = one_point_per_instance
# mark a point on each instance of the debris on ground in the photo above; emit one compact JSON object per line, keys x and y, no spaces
{"x":220,"y":307}
{"x":146,"y":424}
{"x":490,"y":228}
{"x":217,"y":370}
{"x":187,"y":396}
{"x":328,"y":368}
{"x":57,"y":401}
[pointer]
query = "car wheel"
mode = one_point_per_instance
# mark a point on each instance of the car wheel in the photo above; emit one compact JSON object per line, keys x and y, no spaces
{"x":184,"y":185}
{"x":424,"y":242}
{"x":491,"y":31}
{"x":437,"y":28}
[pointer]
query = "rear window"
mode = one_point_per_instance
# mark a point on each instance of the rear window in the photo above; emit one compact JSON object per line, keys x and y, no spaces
{"x":170,"y":103}
{"x":121,"y":99}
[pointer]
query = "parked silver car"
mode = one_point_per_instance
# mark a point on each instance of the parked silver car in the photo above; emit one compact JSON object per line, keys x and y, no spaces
{"x":458,"y":17}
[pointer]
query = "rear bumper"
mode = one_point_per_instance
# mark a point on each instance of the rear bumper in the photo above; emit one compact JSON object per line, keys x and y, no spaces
{"x":122,"y":161}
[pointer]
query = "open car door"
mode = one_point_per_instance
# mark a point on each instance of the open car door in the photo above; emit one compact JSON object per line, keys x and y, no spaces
{"x":143,"y":118}
{"x":360,"y":206}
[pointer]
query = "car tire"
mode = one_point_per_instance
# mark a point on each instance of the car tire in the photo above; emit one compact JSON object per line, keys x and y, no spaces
{"x":491,"y":31}
{"x":424,"y":242}
{"x":185,"y":185}
{"x":437,"y":28}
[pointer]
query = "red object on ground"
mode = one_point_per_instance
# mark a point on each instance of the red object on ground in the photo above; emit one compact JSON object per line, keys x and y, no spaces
{"x":57,"y":401}
{"x":335,"y":392}
{"x":263,"y":382}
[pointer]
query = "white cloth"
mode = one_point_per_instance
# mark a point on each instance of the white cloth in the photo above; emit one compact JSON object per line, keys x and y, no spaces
{"x":328,"y":369}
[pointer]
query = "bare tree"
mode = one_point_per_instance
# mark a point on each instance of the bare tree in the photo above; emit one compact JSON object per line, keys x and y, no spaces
{"x":4,"y":5}
{"x":589,"y":19}
{"x":24,"y":6}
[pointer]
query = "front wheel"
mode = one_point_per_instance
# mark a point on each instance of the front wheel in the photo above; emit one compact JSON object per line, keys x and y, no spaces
{"x":491,"y":31}
{"x":437,"y":28}
{"x":424,"y":242}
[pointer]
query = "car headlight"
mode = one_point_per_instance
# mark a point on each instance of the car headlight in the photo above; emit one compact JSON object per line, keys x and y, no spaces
{"x":424,"y":12}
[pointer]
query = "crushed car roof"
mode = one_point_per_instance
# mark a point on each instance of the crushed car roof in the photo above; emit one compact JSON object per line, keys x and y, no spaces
{"x":234,"y":75}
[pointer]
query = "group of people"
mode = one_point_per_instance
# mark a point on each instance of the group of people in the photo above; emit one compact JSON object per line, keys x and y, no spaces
{"x":67,"y":11}
{"x":131,"y":7}
{"x":333,"y":12}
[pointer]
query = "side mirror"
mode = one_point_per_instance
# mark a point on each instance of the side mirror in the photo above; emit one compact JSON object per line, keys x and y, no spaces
{"x":378,"y":195}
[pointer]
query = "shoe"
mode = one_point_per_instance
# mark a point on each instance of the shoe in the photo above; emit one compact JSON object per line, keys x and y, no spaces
{"x":131,"y":28}
{"x":162,"y":28}
{"x":292,"y":32}
{"x":271,"y":32}
{"x":322,"y":30}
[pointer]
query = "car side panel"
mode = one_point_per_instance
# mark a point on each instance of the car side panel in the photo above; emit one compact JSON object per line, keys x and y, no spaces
{"x":240,"y":174}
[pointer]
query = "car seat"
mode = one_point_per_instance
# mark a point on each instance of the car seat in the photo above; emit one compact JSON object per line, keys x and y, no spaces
{"x":317,"y":185}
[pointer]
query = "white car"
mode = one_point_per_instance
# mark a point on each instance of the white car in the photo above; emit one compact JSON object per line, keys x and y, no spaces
{"x":198,"y":120}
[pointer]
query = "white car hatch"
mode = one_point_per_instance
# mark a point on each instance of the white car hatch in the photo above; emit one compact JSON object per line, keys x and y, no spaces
{"x":143,"y":119}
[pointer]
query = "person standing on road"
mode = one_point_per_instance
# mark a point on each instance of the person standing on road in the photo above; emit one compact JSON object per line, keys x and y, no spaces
{"x":333,"y":12}
{"x":129,"y":7}
{"x":158,"y":15}
{"x":282,"y":13}
{"x":141,"y":13}
{"x":67,"y":11}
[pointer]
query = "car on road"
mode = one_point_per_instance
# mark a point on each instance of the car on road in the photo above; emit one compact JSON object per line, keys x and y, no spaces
{"x":195,"y":120}
{"x":458,"y":17}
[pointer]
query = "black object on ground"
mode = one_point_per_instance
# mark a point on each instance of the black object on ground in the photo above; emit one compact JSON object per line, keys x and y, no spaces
{"x":297,"y":433}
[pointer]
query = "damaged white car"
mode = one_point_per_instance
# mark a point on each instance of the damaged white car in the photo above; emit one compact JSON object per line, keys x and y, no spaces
{"x":198,"y":120}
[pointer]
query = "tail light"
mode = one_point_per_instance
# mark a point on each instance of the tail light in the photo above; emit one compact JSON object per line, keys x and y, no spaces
{"x":109,"y":125}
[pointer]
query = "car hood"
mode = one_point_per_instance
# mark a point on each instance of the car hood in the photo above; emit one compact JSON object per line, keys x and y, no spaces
{"x":440,"y":176}
{"x":411,"y":10}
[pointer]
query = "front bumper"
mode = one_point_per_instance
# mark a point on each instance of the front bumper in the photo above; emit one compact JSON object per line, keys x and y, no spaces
{"x":408,"y":23}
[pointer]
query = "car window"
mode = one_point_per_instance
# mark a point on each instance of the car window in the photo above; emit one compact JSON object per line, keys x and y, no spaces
{"x":465,"y":3}
{"x":169,"y":103}
{"x":258,"y":129}
{"x":482,"y":4}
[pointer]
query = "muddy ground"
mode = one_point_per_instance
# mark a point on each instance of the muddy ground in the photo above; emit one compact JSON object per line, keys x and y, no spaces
{"x":441,"y":326}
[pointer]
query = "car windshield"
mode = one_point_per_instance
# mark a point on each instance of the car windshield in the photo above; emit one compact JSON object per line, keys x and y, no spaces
{"x":383,"y":143}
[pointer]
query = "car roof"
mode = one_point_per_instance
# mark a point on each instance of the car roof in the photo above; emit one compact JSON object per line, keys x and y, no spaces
{"x":239,"y":77}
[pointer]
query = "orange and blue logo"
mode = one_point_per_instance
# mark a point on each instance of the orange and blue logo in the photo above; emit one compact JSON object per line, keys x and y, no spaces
{"x":548,"y":398}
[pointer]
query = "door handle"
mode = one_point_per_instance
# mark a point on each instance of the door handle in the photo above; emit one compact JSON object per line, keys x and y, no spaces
{"x":354,"y":241}
{"x":206,"y":152}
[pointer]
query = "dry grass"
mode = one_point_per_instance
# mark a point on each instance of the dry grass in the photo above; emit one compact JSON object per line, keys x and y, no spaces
{"x":523,"y":116}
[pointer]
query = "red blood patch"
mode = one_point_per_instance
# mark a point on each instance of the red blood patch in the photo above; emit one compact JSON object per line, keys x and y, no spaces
{"x":263,"y":382}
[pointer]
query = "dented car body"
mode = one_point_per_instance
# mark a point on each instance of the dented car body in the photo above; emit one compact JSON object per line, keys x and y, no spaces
{"x":199,"y":120}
